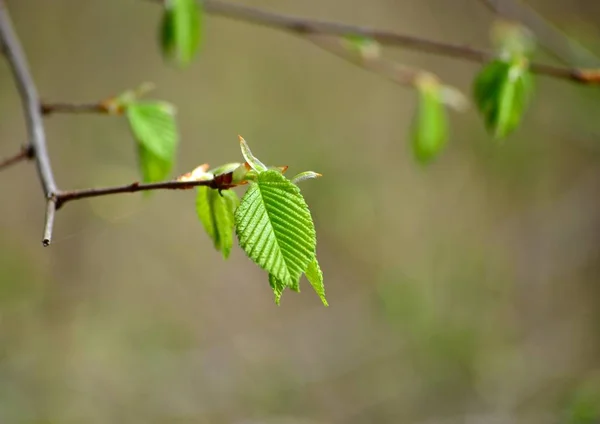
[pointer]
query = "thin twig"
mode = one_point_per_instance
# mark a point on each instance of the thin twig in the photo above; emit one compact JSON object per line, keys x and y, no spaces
{"x":26,"y":153}
{"x":66,"y":196}
{"x":303,"y":26}
{"x":50,"y":108}
{"x":31,"y":107}
{"x":396,"y":72}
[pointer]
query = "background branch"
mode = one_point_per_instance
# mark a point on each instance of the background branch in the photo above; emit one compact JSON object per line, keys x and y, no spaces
{"x":303,"y":26}
{"x":396,"y":72}
{"x":548,"y":36}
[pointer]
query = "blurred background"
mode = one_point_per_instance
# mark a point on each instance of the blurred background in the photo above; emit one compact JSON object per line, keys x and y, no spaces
{"x":466,"y":292}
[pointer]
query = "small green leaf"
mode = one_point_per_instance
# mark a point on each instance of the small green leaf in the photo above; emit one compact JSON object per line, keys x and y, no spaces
{"x":502,"y":92}
{"x":307,"y":175}
{"x":430,"y":123}
{"x":215,"y":211}
{"x":315,"y":276}
{"x":254,"y":163}
{"x":180,"y":30}
{"x":275,"y":228}
{"x":153,"y":126}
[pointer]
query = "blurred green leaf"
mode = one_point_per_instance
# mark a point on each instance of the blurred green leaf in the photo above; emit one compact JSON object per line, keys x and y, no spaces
{"x":315,"y":277}
{"x":585,"y":405}
{"x":512,"y":39}
{"x":367,"y":47}
{"x":181,"y":30}
{"x":275,"y":228}
{"x":502,"y":91}
{"x":153,"y":168}
{"x":153,"y":126}
{"x":430,"y":123}
{"x":215,"y":210}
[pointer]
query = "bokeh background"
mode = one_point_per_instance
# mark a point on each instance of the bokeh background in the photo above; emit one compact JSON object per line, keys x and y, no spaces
{"x":466,"y":292}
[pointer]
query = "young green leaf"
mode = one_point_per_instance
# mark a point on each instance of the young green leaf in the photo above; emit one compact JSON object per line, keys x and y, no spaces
{"x":180,"y":30}
{"x":153,"y":126}
{"x":430,"y":123}
{"x":315,"y":277}
{"x":215,"y":211}
{"x":253,"y":161}
{"x":275,"y":228}
{"x":502,"y":91}
{"x":307,"y":175}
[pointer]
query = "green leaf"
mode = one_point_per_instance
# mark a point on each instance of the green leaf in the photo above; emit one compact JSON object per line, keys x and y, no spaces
{"x":215,"y":211}
{"x":315,"y":277}
{"x":153,"y":126}
{"x":253,"y":161}
{"x":180,"y":30}
{"x":275,"y":228}
{"x":430,"y":123}
{"x":502,"y":92}
{"x":153,"y":168}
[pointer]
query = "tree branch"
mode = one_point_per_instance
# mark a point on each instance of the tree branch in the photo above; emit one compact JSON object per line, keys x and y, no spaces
{"x":26,"y":153}
{"x":31,"y":108}
{"x":302,"y":26}
{"x":50,"y":108}
{"x":29,"y":97}
{"x":65,"y":196}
